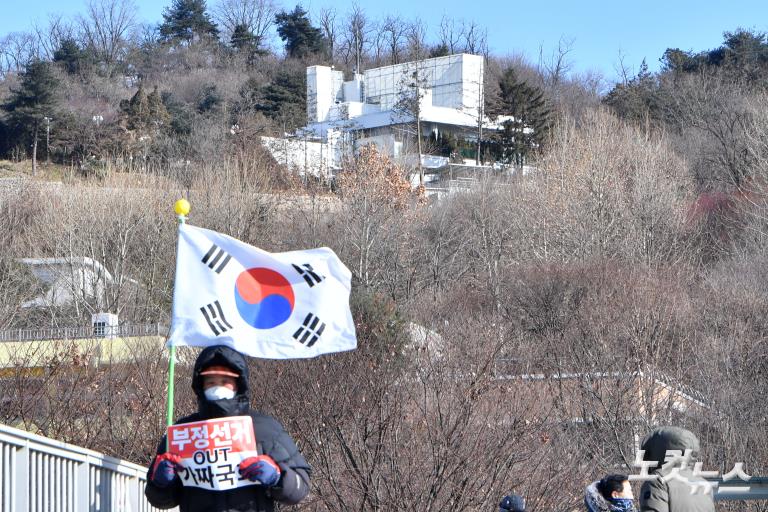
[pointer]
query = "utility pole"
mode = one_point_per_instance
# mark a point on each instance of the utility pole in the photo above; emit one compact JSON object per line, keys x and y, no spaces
{"x":481,"y":113}
{"x":97,"y":119}
{"x":47,"y":140}
{"x":417,"y":114}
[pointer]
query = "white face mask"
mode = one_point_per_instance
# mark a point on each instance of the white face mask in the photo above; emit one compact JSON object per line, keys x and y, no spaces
{"x":219,"y":393}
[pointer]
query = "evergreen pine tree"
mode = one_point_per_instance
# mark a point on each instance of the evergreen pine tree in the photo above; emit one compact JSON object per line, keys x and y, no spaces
{"x":30,"y":105}
{"x":242,"y":38}
{"x":209,"y":99}
{"x":186,"y":19}
{"x":69,"y":54}
{"x":284,"y":100}
{"x":144,"y":113}
{"x":530,"y":114}
{"x":744,"y":55}
{"x":298,"y":34}
{"x":679,"y":61}
{"x":246,"y":42}
{"x":638,"y":100}
{"x":136,"y":110}
{"x":158,"y":114}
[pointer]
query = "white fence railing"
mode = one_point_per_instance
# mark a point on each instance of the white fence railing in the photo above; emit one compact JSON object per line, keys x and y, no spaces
{"x":39,"y":474}
{"x":74,"y":333}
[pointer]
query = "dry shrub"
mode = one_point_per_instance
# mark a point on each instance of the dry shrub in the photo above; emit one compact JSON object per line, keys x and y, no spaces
{"x":100,"y":394}
{"x":395,"y":425}
{"x":375,"y":207}
{"x":607,"y":190}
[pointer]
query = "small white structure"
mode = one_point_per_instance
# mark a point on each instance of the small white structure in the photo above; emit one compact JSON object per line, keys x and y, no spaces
{"x":306,"y":154}
{"x":105,"y":325}
{"x":68,"y":280}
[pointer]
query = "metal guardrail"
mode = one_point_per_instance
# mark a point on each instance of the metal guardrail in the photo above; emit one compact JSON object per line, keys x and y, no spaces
{"x":755,"y":488}
{"x":74,"y":333}
{"x":40,"y":474}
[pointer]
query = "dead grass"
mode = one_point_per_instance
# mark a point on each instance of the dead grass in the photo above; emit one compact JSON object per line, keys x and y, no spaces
{"x":45,"y":172}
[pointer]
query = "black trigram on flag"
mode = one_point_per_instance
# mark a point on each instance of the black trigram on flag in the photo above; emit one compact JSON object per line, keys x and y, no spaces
{"x":216,"y":258}
{"x":308,"y":273}
{"x":310,"y":331}
{"x":215,"y":318}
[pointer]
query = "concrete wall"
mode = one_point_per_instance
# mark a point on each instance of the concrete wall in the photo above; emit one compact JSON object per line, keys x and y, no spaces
{"x":324,"y":90}
{"x":452,"y":82}
{"x":305,"y":156}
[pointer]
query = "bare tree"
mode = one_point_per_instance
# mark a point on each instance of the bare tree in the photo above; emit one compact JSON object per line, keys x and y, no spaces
{"x":329,"y":26}
{"x":475,"y":39}
{"x":50,"y":35}
{"x":409,"y":408}
{"x":258,"y":16}
{"x":627,"y":191}
{"x":17,"y":49}
{"x":581,"y":93}
{"x":106,"y":26}
{"x":558,"y":64}
{"x":356,"y":37}
{"x":374,"y":193}
{"x":379,"y":47}
{"x":394,"y":31}
{"x":407,"y":109}
{"x":416,"y":36}
{"x":451,"y":34}
{"x":721,"y":113}
{"x":622,"y":69}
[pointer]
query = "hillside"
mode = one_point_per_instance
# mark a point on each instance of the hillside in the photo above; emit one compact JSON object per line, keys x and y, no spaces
{"x":631,"y":260}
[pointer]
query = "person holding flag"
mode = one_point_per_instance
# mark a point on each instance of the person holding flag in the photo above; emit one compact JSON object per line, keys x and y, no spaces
{"x":220,"y":381}
{"x":235,"y":299}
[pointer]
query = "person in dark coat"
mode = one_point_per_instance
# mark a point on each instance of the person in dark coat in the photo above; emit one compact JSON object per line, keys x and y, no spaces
{"x":512,"y":503}
{"x":670,"y":492}
{"x":612,"y":493}
{"x":220,"y":381}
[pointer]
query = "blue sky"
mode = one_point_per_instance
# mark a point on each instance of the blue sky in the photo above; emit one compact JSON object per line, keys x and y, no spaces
{"x":600,"y":31}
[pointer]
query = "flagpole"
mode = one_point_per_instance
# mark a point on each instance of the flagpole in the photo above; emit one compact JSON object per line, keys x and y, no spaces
{"x":181,"y":207}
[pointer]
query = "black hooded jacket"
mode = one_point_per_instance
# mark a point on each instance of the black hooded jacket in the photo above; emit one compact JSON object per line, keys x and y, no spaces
{"x":668,"y":492}
{"x":271,"y":438}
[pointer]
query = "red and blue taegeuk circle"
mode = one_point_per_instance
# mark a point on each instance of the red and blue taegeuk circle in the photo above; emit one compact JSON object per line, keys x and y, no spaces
{"x":264,"y":297}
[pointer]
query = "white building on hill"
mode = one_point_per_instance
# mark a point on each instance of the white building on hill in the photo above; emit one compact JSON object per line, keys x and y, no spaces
{"x":68,"y":280}
{"x":451,"y":94}
{"x":347,"y":115}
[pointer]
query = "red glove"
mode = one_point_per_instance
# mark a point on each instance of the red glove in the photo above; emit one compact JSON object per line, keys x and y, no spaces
{"x":262,"y":469}
{"x":165,"y":469}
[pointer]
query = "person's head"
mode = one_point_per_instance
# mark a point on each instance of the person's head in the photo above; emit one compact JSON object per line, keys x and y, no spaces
{"x":220,"y":376}
{"x":219,"y":382}
{"x":661,"y":439}
{"x":512,"y":503}
{"x":614,"y":487}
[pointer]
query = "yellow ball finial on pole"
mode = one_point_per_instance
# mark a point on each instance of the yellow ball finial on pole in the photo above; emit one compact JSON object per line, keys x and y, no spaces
{"x":182,"y":207}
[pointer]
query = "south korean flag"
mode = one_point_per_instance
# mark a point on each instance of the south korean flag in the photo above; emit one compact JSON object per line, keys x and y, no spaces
{"x":277,"y":306}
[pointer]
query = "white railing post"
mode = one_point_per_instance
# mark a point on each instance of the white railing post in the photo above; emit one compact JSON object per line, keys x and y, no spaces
{"x":82,"y":486}
{"x":42,"y":474}
{"x":21,"y":477}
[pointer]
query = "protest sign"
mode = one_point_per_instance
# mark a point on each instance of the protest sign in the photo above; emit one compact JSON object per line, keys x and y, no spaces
{"x":211,"y":451}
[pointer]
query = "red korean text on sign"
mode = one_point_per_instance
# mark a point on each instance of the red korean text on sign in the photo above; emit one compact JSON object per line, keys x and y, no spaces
{"x":234,"y":433}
